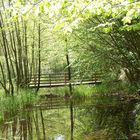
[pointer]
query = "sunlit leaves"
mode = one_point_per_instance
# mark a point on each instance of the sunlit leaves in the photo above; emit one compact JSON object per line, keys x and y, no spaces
{"x":105,"y":27}
{"x":127,"y":20}
{"x":65,"y":13}
{"x":134,"y":27}
{"x":42,"y":10}
{"x":59,"y":25}
{"x":133,"y":13}
{"x":126,"y":10}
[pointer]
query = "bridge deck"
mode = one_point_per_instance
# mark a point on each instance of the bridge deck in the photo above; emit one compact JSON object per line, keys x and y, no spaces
{"x":62,"y":84}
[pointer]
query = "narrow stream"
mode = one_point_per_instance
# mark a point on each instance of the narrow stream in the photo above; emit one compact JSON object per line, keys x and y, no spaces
{"x":97,"y":118}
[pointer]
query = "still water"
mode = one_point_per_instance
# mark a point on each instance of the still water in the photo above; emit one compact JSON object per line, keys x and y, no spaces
{"x":97,"y":118}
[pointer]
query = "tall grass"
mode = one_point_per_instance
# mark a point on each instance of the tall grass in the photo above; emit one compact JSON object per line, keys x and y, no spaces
{"x":90,"y":90}
{"x":61,"y":91}
{"x":83,"y":90}
{"x":11,"y":105}
{"x":104,"y":88}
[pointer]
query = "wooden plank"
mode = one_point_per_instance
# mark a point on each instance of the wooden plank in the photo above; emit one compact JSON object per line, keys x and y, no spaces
{"x":52,"y":79}
{"x":60,"y":81}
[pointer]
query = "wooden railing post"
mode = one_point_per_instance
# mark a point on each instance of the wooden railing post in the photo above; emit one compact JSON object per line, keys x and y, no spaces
{"x":95,"y":77}
{"x":65,"y":78}
{"x":50,"y":79}
{"x":34,"y":79}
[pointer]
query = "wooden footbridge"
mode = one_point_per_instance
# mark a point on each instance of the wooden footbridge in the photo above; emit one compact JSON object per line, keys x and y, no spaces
{"x":61,"y":79}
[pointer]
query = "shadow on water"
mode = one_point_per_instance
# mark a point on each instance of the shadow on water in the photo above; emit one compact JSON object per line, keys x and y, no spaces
{"x":98,"y":118}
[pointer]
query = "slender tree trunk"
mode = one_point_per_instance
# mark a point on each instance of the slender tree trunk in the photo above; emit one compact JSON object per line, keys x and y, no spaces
{"x":43,"y":125}
{"x":71,"y":119}
{"x":25,"y":59}
{"x":39,"y":56}
{"x":19,"y":54}
{"x":32,"y":66}
{"x":3,"y":75}
{"x":5,"y":49}
{"x":69,"y":69}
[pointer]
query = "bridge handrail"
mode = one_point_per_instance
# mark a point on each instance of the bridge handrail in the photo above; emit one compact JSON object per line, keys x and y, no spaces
{"x":52,"y":78}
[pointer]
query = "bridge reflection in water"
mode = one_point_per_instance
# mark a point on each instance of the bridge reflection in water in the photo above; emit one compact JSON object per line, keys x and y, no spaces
{"x":103,"y":118}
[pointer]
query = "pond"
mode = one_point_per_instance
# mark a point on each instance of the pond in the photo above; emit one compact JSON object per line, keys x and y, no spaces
{"x":97,"y":118}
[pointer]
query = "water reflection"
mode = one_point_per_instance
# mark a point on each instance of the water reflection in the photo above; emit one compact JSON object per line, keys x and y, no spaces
{"x":112,"y":121}
{"x":100,"y":118}
{"x":71,"y":119}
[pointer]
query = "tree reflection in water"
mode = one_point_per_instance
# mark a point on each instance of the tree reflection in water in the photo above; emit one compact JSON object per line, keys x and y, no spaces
{"x":102,"y":118}
{"x":111,"y":120}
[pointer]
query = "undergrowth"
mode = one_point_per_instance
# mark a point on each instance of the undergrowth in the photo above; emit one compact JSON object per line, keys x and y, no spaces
{"x":90,"y":90}
{"x":11,"y":105}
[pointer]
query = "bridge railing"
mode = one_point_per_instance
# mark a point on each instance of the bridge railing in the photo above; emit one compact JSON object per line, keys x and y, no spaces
{"x":61,"y":78}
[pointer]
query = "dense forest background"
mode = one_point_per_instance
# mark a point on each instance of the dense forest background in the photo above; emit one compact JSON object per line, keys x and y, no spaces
{"x":97,"y":35}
